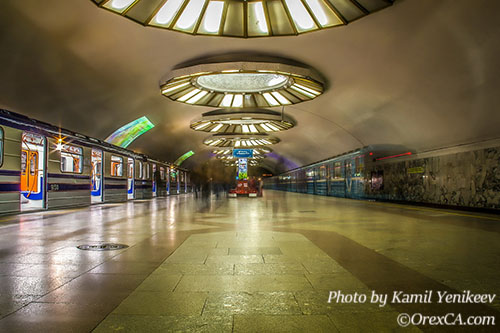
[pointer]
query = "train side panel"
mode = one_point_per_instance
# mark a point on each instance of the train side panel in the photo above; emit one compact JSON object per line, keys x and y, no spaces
{"x":174,"y":181}
{"x":321,"y":187}
{"x":68,"y":175}
{"x":337,"y":179}
{"x":143,"y":186}
{"x":162,"y":186}
{"x":115,"y":177}
{"x":10,"y":169}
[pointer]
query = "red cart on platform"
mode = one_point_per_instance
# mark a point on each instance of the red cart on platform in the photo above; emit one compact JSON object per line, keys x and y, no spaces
{"x":243,"y":189}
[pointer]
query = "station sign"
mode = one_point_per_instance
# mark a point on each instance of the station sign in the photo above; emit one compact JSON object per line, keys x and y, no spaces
{"x":243,"y":153}
{"x":416,"y":170}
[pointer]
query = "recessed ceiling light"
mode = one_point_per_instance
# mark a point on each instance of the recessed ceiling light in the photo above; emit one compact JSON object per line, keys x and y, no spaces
{"x":250,"y":85}
{"x":240,"y":18}
{"x":232,"y":158}
{"x":242,"y":121}
{"x":240,"y":140}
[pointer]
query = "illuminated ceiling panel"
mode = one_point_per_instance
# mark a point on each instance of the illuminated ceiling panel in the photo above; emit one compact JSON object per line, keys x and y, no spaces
{"x":126,"y":134}
{"x":243,"y":84}
{"x":184,"y":157}
{"x":237,"y":122}
{"x":244,"y":19}
{"x":240,"y":140}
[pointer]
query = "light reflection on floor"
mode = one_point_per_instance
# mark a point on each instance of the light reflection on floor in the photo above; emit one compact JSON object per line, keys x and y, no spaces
{"x":246,"y":264}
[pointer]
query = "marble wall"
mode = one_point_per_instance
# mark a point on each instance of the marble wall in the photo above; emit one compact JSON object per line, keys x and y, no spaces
{"x":470,"y":179}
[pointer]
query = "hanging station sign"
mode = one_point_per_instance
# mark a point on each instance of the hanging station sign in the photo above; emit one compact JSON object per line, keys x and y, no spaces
{"x":243,"y":153}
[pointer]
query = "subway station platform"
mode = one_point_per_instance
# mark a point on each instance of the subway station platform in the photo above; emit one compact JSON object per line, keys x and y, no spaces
{"x":242,"y":265}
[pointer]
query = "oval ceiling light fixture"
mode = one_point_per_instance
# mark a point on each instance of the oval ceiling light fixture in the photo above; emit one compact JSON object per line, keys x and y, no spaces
{"x":243,"y":84}
{"x":241,"y":18}
{"x":240,"y":140}
{"x":242,"y":122}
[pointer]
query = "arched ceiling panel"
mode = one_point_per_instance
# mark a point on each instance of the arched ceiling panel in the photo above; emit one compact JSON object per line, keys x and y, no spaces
{"x":423,"y":74}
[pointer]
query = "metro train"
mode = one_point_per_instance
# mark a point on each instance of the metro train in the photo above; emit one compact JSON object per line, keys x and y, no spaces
{"x":355,"y":174}
{"x":44,"y":167}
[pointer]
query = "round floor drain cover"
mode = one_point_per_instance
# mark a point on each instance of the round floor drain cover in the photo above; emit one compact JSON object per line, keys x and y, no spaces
{"x":102,"y":247}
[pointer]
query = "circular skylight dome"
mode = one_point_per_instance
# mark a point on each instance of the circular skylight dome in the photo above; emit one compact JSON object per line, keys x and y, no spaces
{"x":239,"y":121}
{"x":243,"y":85}
{"x":240,"y":141}
{"x":241,"y":18}
{"x":242,"y":82}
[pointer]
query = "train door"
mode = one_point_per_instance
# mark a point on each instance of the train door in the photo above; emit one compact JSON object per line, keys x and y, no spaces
{"x":130,"y":179}
{"x":32,"y":171}
{"x":178,"y":183}
{"x":315,"y":180}
{"x":161,"y":185}
{"x":96,"y":178}
{"x":168,"y":180}
{"x":348,"y":178}
{"x":329,"y":175}
{"x":154,"y":181}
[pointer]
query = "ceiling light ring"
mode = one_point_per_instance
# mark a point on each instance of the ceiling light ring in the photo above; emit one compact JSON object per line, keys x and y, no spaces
{"x":247,"y":85}
{"x":166,"y":15}
{"x":240,"y":140}
{"x":253,"y":121}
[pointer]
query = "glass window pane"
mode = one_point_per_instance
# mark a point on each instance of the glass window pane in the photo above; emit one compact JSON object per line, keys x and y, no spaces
{"x":116,"y":166}
{"x":71,"y":159}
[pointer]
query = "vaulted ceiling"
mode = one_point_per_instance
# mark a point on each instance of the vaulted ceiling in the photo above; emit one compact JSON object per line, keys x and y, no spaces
{"x":421,"y":73}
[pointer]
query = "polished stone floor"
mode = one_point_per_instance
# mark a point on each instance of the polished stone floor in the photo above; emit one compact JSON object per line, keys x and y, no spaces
{"x":242,"y":265}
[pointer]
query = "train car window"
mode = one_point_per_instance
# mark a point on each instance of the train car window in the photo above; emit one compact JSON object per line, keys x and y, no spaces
{"x":162,"y":173}
{"x":130,"y":169}
{"x":358,"y":162}
{"x":147,"y":171}
{"x":71,"y":159}
{"x":322,"y":172}
{"x":24,"y":158}
{"x":1,"y":146}
{"x":116,"y":166}
{"x":338,"y":171}
{"x":33,"y":166}
{"x":141,"y":171}
{"x":377,"y":182}
{"x":348,"y":169}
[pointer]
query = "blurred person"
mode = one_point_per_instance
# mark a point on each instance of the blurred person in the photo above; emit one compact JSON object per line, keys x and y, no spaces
{"x":261,"y":185}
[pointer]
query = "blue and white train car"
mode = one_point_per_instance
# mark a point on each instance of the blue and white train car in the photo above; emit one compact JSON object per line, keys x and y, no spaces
{"x":43,"y":166}
{"x":342,"y":176}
